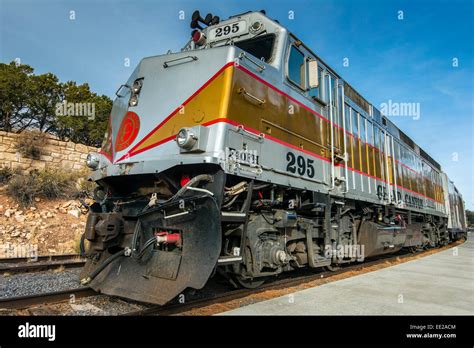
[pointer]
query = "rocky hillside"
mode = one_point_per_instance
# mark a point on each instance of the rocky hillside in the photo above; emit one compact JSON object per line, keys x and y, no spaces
{"x":50,"y":227}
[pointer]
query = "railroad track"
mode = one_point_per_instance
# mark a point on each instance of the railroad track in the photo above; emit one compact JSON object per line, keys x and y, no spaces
{"x":22,"y":302}
{"x":177,"y":308}
{"x":291,"y":280}
{"x":41,"y":263}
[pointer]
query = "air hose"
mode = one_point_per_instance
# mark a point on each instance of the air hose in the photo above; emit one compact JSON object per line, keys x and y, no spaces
{"x":82,"y":248}
{"x":197,"y":178}
{"x":104,"y":264}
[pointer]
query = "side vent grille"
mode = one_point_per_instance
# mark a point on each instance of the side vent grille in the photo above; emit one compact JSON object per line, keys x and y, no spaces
{"x":356,"y":97}
{"x":429,"y":159}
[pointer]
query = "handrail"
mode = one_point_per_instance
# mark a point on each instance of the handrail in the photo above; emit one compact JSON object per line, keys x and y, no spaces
{"x":331,"y":126}
{"x":259,"y":66}
{"x":394,"y":173}
{"x":346,"y":170}
{"x":387,"y":173}
{"x":118,"y":95}
{"x":240,"y":128}
{"x":166,"y":64}
{"x":251,"y":96}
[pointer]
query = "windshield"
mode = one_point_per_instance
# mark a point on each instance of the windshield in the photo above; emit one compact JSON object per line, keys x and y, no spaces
{"x":260,"y":46}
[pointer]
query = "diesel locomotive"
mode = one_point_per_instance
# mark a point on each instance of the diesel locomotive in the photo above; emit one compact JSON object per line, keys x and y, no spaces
{"x":246,"y":155}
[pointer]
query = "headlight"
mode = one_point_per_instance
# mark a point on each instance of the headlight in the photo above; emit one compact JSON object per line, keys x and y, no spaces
{"x":256,"y":27}
{"x":92,"y":160}
{"x":186,"y":138}
{"x":133,"y":100}
{"x":137,"y":86}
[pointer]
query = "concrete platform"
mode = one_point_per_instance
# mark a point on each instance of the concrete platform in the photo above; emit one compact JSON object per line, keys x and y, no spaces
{"x":438,"y":284}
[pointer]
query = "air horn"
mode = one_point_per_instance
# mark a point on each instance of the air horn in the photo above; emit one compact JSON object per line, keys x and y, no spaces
{"x":208,"y":20}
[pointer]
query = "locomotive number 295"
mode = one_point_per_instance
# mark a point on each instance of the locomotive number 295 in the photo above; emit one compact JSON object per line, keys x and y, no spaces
{"x":299,"y":164}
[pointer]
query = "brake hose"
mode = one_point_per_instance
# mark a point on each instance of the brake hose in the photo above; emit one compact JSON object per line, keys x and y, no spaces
{"x":104,"y":264}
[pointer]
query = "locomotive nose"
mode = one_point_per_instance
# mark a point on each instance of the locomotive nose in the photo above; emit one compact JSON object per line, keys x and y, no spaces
{"x":150,"y":273}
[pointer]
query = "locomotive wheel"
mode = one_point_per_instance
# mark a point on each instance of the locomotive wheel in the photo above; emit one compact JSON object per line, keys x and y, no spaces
{"x":250,"y":283}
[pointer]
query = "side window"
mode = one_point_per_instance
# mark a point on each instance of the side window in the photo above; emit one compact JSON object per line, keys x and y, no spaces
{"x":296,"y":67}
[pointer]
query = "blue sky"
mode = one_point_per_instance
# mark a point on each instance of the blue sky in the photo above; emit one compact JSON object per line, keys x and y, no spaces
{"x":409,"y":60}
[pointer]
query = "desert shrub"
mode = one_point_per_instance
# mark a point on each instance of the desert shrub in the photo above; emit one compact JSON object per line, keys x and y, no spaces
{"x":5,"y":175}
{"x":30,"y":144}
{"x":23,"y":188}
{"x":55,"y":183}
{"x":49,"y":183}
{"x":84,"y":188}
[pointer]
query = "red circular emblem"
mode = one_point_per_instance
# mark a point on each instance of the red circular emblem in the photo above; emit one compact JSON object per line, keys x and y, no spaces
{"x":128,"y":131}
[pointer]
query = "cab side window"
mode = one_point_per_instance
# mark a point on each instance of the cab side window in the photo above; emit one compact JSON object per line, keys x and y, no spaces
{"x":297,"y":67}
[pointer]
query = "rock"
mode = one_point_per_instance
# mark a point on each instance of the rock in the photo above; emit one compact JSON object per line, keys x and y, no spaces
{"x":9,"y":212}
{"x":75,"y":212}
{"x":15,"y":234}
{"x":37,"y":199}
{"x":19,"y":218}
{"x":32,"y":208}
{"x":68,"y":204}
{"x":88,"y":307}
{"x":52,"y":251}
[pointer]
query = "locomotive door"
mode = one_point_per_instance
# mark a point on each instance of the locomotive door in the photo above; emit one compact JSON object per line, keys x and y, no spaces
{"x":390,"y":171}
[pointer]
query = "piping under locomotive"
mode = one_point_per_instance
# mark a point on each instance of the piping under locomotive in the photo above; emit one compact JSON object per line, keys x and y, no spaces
{"x":246,"y":155}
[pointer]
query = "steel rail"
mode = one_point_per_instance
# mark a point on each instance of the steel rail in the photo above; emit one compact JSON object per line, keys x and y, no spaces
{"x":40,"y":258}
{"x":22,"y":302}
